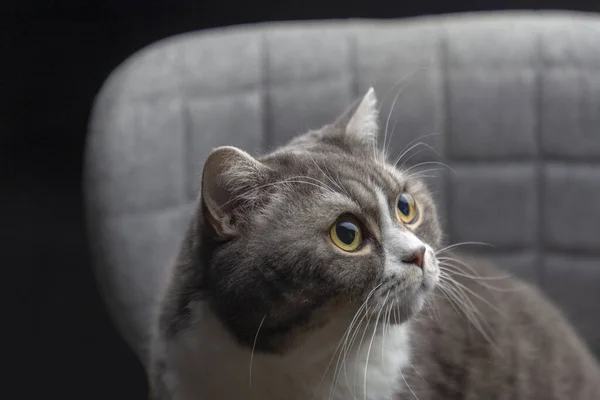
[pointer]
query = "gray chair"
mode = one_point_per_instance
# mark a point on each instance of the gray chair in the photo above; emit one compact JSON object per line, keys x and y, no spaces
{"x":515,"y":96}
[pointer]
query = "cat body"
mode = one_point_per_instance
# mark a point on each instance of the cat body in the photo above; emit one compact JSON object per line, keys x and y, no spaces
{"x":222,"y":369}
{"x":317,"y":272}
{"x":527,"y":349}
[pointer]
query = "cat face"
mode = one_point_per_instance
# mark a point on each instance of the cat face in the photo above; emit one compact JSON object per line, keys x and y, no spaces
{"x":314,"y":231}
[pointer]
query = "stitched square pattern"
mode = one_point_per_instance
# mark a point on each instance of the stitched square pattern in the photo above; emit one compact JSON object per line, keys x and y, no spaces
{"x":233,"y":120}
{"x":437,"y":182}
{"x":416,"y":46}
{"x":140,"y":166}
{"x":403,"y":84}
{"x":572,"y":41}
{"x":147,"y":245}
{"x":296,"y":109}
{"x":521,"y":263}
{"x":507,"y":42}
{"x":515,"y":96}
{"x":178,"y":66}
{"x":571,"y":198}
{"x":285,"y":64}
{"x":571,"y":113}
{"x":411,"y":137}
{"x":571,"y":280}
{"x":494,"y":204}
{"x":492,"y":113}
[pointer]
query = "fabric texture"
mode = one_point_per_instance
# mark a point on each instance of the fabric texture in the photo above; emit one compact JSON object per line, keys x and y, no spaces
{"x":511,"y":102}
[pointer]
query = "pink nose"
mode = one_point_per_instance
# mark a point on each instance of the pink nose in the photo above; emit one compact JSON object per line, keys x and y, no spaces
{"x":417,"y":257}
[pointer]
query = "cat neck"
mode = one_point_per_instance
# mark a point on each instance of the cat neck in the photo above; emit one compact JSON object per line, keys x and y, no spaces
{"x":209,"y":364}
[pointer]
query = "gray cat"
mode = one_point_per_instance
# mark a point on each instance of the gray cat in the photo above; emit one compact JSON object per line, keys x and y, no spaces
{"x":317,"y":272}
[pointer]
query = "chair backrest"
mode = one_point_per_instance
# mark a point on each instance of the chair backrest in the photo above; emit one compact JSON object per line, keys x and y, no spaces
{"x":515,"y":96}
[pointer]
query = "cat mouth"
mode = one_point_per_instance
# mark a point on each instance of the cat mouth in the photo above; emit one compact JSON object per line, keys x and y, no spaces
{"x":429,"y":282}
{"x":410,"y":284}
{"x":398,"y":300}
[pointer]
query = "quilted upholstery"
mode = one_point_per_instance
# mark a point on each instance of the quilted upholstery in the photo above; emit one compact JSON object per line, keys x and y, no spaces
{"x":515,"y":96}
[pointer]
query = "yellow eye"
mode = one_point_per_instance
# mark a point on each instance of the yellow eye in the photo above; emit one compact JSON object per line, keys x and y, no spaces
{"x":346,"y":234}
{"x":406,"y":209}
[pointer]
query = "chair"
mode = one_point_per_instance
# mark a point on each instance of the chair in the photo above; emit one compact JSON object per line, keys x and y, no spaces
{"x":515,"y":96}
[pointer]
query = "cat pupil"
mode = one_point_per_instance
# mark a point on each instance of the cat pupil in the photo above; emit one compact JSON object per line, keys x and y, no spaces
{"x":403,"y":206}
{"x":346,"y":232}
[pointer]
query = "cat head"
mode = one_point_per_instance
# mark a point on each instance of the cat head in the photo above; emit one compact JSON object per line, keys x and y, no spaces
{"x":313,"y":231}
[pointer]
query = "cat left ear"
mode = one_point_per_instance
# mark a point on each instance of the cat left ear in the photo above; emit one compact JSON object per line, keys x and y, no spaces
{"x":361,"y":120}
{"x":228,"y":172}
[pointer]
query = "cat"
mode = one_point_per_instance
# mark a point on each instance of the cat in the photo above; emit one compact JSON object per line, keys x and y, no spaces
{"x":318,"y":271}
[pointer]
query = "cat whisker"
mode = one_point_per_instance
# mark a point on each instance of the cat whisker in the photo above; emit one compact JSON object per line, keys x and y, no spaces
{"x":371,"y":345}
{"x":344,"y":359}
{"x":422,"y":174}
{"x":432,"y":306}
{"x":407,"y":385}
{"x":386,"y":327}
{"x":455,"y":270}
{"x":387,"y":93}
{"x":452,"y":293}
{"x":387,"y":122}
{"x":425,"y":171}
{"x":342,"y":344}
{"x":297,"y":179}
{"x":395,"y":86}
{"x":362,"y":338}
{"x":309,"y":179}
{"x":252,"y":352}
{"x":340,"y":347}
{"x":452,"y":246}
{"x":430,"y":163}
{"x":412,"y":147}
{"x":446,"y":262}
{"x":467,"y":308}
{"x":418,"y":374}
{"x":449,"y":297}
{"x":472,"y":292}
{"x":328,"y":176}
{"x":406,"y":148}
{"x":294,"y":179}
{"x":344,"y":341}
{"x":451,"y":286}
{"x":351,"y":345}
{"x":344,"y":354}
{"x":413,"y":155}
{"x":454,"y":289}
{"x":479,"y":282}
{"x":397,"y":314}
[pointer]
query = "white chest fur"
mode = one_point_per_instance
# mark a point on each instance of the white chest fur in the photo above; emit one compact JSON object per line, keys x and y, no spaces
{"x":206,"y":363}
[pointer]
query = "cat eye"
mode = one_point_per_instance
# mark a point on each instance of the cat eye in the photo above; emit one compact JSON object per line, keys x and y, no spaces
{"x":346,"y":233}
{"x":406,"y":208}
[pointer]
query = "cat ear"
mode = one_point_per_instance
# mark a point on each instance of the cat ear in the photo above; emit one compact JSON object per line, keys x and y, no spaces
{"x":361,"y":120}
{"x":228,"y":171}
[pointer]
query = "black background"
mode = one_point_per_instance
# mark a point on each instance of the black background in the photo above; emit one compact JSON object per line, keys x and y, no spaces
{"x":54,"y":56}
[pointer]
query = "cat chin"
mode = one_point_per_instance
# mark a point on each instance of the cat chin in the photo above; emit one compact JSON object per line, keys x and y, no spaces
{"x":429,"y":283}
{"x":406,"y":303}
{"x":403,"y":312}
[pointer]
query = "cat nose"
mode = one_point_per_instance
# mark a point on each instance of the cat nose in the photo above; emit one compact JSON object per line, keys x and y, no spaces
{"x":416,"y":257}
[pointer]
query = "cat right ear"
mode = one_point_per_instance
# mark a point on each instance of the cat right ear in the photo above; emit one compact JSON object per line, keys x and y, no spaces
{"x":228,"y":172}
{"x":360,"y":121}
